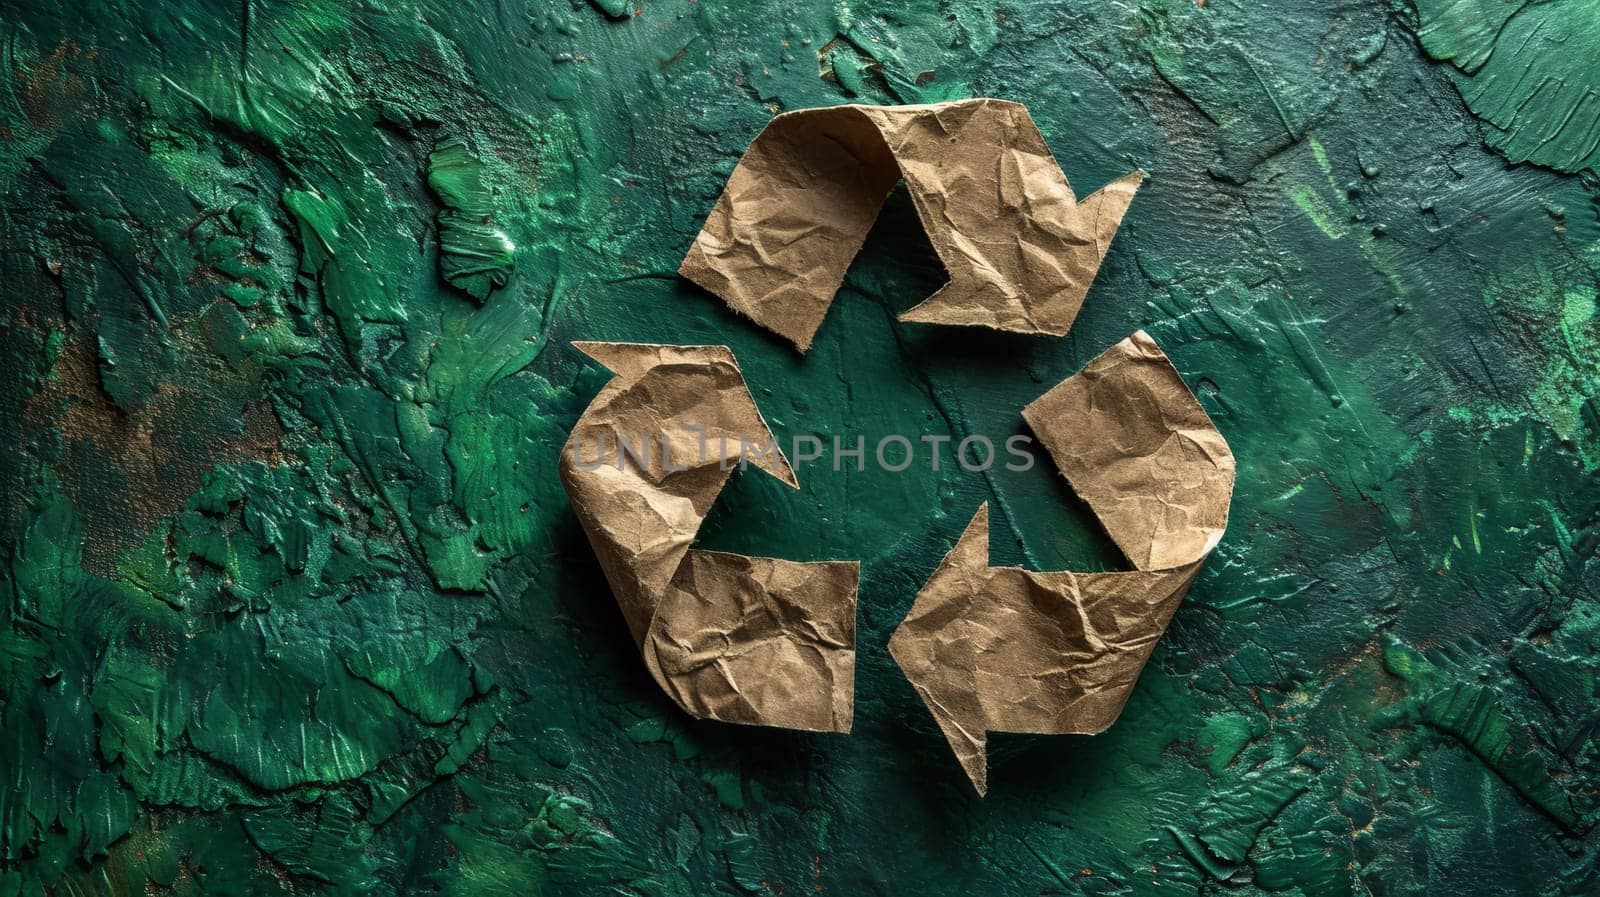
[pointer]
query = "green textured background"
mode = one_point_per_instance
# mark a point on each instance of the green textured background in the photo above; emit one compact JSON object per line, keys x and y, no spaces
{"x":294,"y":602}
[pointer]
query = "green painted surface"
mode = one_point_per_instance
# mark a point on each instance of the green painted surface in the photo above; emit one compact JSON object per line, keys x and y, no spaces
{"x":295,"y":604}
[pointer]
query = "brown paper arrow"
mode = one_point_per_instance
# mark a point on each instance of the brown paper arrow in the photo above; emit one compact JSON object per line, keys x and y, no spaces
{"x":1020,"y":248}
{"x":751,"y":640}
{"x":1003,"y":649}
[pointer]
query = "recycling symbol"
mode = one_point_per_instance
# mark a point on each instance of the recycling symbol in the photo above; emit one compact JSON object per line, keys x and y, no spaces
{"x":771,"y":642}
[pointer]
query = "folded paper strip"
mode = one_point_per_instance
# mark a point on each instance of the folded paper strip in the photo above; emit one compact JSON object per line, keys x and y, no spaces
{"x":1019,"y":247}
{"x":751,"y":640}
{"x":1003,"y":649}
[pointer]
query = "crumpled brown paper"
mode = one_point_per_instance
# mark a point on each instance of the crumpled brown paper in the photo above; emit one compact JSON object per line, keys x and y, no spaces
{"x":1003,"y":649}
{"x":1020,"y":248}
{"x":759,"y":641}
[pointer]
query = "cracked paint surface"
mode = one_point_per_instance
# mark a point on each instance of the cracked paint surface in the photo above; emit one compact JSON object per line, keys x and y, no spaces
{"x":295,"y":603}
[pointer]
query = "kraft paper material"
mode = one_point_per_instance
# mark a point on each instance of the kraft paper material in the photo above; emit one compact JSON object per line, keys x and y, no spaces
{"x":1020,"y":248}
{"x":759,"y":641}
{"x":1004,"y":649}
